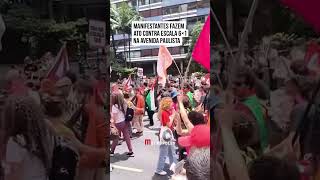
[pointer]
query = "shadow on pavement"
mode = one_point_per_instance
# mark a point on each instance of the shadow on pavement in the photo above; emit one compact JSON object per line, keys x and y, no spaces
{"x":119,"y":157}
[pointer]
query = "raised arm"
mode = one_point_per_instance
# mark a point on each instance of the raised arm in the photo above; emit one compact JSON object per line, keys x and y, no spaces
{"x":184,"y":115}
{"x":236,"y":166}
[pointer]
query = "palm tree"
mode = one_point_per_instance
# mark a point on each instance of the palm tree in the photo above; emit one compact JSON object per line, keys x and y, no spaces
{"x":121,"y":20}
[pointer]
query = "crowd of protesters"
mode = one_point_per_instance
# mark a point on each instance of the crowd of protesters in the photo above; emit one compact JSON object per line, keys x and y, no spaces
{"x":180,"y":108}
{"x":52,"y":128}
{"x":265,"y":126}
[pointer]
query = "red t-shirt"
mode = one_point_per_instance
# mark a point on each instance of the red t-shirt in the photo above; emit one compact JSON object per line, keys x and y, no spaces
{"x":165,"y":118}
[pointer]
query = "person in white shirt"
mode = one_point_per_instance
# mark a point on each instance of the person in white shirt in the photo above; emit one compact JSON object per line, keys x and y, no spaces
{"x":119,"y":107}
{"x":27,"y":141}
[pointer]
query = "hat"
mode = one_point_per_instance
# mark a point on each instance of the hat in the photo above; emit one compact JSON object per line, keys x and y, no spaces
{"x":199,"y":137}
{"x":174,"y":94}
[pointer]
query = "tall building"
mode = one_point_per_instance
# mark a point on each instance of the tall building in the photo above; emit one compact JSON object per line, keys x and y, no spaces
{"x":191,"y":11}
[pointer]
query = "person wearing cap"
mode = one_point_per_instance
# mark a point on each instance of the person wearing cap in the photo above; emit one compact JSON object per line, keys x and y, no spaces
{"x":198,"y":138}
{"x":174,"y":96}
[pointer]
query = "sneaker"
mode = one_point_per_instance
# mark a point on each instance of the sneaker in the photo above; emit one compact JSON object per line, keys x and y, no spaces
{"x":161,"y":173}
{"x":135,"y":131}
{"x":111,"y":154}
{"x":130,"y":154}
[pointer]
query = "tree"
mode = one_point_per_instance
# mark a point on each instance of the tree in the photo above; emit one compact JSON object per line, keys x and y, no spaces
{"x":194,"y":67}
{"x":121,"y":20}
{"x":42,"y":34}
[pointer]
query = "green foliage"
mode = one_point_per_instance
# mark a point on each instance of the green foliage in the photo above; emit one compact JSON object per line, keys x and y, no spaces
{"x":121,"y":70}
{"x":122,"y":18}
{"x":194,"y":36}
{"x":43,"y":34}
{"x":194,"y":67}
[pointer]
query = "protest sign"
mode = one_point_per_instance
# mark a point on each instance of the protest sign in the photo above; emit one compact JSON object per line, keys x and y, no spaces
{"x":97,"y":34}
{"x":140,"y":72}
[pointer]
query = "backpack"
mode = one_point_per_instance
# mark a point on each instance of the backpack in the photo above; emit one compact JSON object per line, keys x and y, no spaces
{"x":64,"y":163}
{"x":129,"y":114}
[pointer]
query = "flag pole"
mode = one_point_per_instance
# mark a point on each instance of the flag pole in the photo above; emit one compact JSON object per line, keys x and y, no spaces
{"x":245,"y":32}
{"x":186,"y":73}
{"x":222,"y":33}
{"x":64,"y":45}
{"x":177,"y":67}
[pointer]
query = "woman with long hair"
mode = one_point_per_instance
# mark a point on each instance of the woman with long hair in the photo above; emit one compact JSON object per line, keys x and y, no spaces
{"x":27,"y":141}
{"x":119,"y":108}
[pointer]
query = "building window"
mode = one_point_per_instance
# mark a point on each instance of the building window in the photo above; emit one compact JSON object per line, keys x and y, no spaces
{"x":180,"y":8}
{"x":154,"y":1}
{"x":155,"y":52}
{"x":134,"y":3}
{"x":184,"y":7}
{"x":193,"y":20}
{"x":120,"y":43}
{"x":156,"y":12}
{"x":172,"y":10}
{"x":174,"y":50}
{"x":203,"y":4}
{"x":151,"y":13}
{"x":192,"y":6}
{"x":145,"y":13}
{"x":146,"y":2}
{"x":146,"y":52}
{"x":133,"y":54}
{"x":184,"y":49}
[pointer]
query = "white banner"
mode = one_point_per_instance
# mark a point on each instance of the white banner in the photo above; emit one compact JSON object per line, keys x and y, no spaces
{"x":97,"y":34}
{"x":2,"y":30}
{"x":140,"y":72}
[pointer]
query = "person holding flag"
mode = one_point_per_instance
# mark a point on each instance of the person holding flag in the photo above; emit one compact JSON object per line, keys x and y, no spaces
{"x":150,"y":101}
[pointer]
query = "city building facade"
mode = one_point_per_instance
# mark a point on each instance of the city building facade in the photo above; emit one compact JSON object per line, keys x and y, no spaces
{"x":192,"y":11}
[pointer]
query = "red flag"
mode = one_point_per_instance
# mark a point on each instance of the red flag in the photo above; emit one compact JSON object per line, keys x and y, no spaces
{"x":308,"y":9}
{"x":164,"y":62}
{"x":61,"y":65}
{"x":201,"y":50}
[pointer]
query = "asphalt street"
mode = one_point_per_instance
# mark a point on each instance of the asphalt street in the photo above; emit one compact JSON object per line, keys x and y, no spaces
{"x":143,"y":165}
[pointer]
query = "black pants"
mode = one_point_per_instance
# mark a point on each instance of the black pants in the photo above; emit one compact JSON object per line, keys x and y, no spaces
{"x":150,"y":115}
